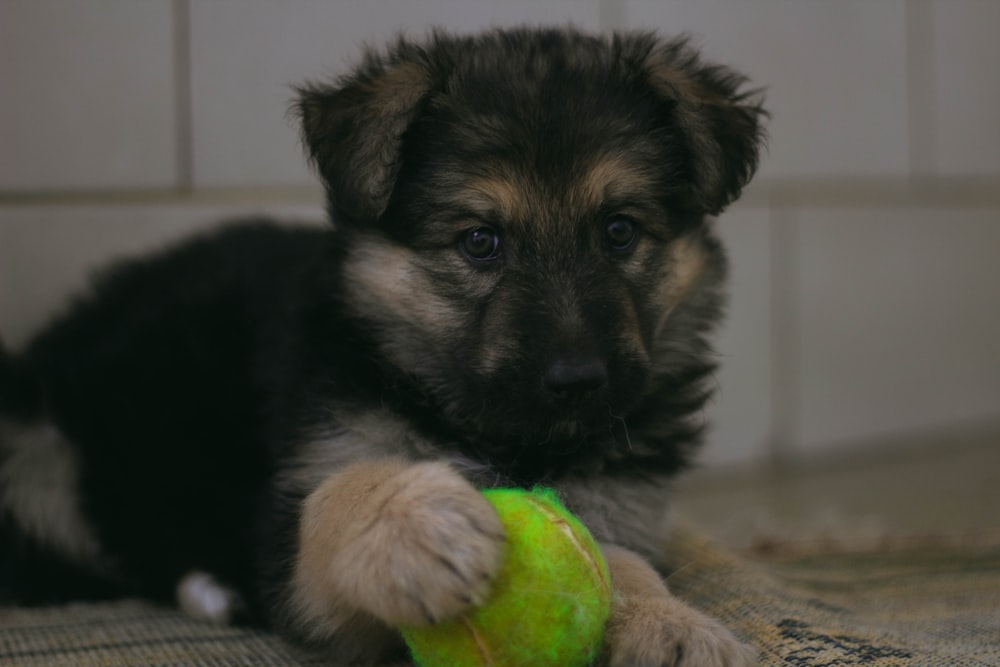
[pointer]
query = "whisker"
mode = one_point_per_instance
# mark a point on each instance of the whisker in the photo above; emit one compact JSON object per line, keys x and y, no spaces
{"x":628,"y":440}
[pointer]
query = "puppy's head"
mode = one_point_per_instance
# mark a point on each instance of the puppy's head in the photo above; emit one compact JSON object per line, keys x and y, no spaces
{"x":524,"y":220}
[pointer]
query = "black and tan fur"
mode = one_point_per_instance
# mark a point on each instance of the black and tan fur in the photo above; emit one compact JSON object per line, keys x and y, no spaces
{"x":516,"y":288}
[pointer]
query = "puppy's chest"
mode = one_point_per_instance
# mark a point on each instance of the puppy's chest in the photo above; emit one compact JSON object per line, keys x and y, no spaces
{"x":346,"y":436}
{"x":622,"y":508}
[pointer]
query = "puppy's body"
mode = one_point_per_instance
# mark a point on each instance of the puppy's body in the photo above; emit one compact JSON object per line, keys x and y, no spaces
{"x":515,"y":290}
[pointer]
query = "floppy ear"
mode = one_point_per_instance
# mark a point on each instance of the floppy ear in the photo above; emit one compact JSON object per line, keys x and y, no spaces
{"x":353,"y":130}
{"x":722,"y":124}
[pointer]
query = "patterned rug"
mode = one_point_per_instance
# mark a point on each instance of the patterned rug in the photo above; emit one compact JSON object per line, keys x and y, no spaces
{"x":932,"y":603}
{"x":926,"y":602}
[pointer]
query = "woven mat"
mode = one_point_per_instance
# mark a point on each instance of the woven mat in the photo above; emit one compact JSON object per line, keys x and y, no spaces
{"x":923,"y":603}
{"x":918,"y":602}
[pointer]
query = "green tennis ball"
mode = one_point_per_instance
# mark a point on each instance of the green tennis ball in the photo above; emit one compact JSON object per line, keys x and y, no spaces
{"x":549,"y":602}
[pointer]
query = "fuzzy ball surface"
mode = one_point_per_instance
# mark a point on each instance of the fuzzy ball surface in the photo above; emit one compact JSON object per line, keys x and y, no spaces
{"x":549,"y":603}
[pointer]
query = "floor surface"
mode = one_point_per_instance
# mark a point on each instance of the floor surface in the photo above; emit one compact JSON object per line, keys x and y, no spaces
{"x":931,"y":485}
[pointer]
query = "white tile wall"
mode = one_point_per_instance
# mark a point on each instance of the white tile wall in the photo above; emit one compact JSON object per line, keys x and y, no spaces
{"x":847,"y":322}
{"x":965,"y":78}
{"x":835,"y":74}
{"x":247,"y":55}
{"x":86,"y":95}
{"x":898,"y":321}
{"x":741,"y":413}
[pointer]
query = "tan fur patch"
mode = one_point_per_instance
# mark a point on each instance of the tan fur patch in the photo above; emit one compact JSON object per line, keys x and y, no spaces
{"x":687,"y":263}
{"x":386,"y":283}
{"x":409,"y":544}
{"x":39,"y":488}
{"x":496,"y":194}
{"x":630,"y":335}
{"x":670,"y":78}
{"x":631,"y":575}
{"x":398,"y":89}
{"x":355,"y":436}
{"x":612,"y":176}
{"x":648,"y":625}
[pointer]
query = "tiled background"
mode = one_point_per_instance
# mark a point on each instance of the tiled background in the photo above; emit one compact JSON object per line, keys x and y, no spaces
{"x":866,"y":301}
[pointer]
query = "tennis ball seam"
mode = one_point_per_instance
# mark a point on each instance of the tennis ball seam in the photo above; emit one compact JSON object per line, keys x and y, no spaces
{"x":477,"y":639}
{"x":574,"y":539}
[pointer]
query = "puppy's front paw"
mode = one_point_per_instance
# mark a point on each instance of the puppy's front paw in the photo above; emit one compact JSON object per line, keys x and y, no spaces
{"x":426,"y":548}
{"x":662,"y":632}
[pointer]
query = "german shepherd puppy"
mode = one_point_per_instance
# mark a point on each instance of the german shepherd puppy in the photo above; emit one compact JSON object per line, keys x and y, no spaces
{"x":515,"y":289}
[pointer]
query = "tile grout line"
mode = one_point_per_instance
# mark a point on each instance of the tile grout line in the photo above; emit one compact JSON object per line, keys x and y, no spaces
{"x":931,"y":191}
{"x":784,"y":336}
{"x":182,"y":95}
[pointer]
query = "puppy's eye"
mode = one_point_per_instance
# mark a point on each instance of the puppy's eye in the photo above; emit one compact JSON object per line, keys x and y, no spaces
{"x":621,"y":233}
{"x":481,"y":244}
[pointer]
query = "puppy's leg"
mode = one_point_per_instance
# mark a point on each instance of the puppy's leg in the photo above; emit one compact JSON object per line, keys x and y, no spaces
{"x":399,"y":543}
{"x":649,"y":627}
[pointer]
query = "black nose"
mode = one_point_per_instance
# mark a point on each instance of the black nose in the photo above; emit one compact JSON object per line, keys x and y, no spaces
{"x":575,"y":379}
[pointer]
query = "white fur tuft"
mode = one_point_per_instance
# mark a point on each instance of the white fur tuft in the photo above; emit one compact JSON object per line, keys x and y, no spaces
{"x":201,"y":596}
